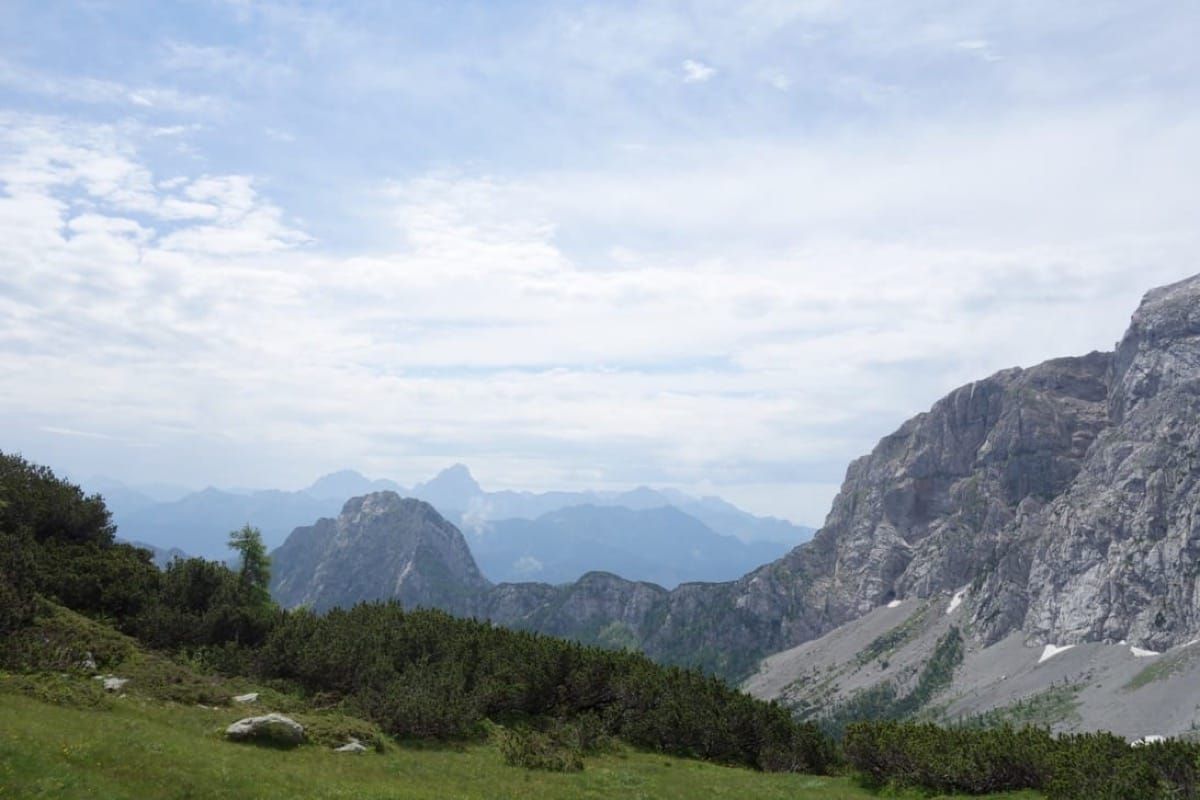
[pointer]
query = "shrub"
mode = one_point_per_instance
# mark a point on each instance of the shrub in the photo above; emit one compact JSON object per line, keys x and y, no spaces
{"x":531,"y":749}
{"x":1104,"y":767}
{"x":17,"y":588}
{"x":949,"y":760}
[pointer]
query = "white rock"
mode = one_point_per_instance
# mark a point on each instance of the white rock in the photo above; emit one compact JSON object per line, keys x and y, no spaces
{"x":89,"y":662}
{"x":112,"y":683}
{"x":1139,"y":652}
{"x":252,"y":697}
{"x":1051,"y":650}
{"x":353,"y":746}
{"x":1148,"y":739}
{"x":269,"y":727}
{"x":895,"y":604}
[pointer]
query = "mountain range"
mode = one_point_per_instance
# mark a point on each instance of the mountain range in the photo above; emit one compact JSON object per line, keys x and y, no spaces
{"x":1040,"y":524}
{"x":553,"y":536}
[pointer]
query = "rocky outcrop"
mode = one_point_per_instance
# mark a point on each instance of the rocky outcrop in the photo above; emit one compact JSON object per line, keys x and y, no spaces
{"x":1116,"y":555}
{"x":269,"y":728}
{"x":381,"y":546}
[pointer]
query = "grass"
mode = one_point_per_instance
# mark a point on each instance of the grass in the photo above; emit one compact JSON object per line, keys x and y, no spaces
{"x":141,"y":747}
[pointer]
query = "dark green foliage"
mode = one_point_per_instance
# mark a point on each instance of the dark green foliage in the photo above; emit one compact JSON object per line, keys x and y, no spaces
{"x":1100,"y":766}
{"x":58,"y":542}
{"x":17,"y":586}
{"x":1091,"y":766}
{"x":111,"y":580}
{"x":204,"y":604}
{"x":426,"y":673}
{"x":32,"y":498}
{"x":533,"y":749}
{"x":949,"y":760}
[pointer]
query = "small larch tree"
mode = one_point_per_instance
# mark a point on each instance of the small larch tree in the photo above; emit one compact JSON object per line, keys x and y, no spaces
{"x":255,"y":570}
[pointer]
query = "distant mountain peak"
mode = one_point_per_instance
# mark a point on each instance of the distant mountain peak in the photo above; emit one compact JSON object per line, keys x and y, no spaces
{"x":347,"y":483}
{"x":457,"y":475}
{"x":452,"y":489}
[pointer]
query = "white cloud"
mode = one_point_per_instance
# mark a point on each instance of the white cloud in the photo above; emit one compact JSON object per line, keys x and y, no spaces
{"x":733,"y":289}
{"x":793,"y":319}
{"x":94,"y":91}
{"x":697,"y":71}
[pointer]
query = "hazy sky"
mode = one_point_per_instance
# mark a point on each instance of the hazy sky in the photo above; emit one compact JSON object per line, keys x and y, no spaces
{"x":720,"y":246}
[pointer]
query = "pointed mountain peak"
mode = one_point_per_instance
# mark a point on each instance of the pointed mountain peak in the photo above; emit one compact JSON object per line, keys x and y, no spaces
{"x":450,"y":490}
{"x":457,"y":477}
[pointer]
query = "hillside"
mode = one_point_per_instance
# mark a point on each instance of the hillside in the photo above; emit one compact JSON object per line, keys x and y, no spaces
{"x":161,"y":736}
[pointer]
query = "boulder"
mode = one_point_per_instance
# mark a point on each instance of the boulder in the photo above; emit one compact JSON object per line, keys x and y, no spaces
{"x":251,"y":697}
{"x":271,"y":728}
{"x":353,"y":746}
{"x":112,"y":683}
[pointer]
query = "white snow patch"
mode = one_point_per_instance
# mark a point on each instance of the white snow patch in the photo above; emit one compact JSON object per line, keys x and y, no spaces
{"x":1189,"y":644}
{"x":895,"y":604}
{"x":1139,"y":652}
{"x":1051,"y":650}
{"x":956,"y":601}
{"x":1150,"y":738}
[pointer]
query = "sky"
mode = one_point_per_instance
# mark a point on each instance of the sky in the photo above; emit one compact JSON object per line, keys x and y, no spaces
{"x":720,"y":246}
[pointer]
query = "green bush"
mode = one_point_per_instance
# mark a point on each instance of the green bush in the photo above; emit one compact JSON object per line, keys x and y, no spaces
{"x":1101,"y":766}
{"x":428,"y":674}
{"x":944,"y":760}
{"x":17,"y":588}
{"x":531,"y":749}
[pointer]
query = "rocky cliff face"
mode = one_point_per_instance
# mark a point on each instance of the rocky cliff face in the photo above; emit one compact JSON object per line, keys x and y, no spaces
{"x":380,"y":547}
{"x":1115,"y":555}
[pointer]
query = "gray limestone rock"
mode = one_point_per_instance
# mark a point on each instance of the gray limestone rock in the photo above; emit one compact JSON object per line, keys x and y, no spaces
{"x":270,"y":728}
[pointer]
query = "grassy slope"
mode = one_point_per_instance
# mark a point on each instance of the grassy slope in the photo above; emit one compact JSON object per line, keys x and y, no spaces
{"x":62,"y":736}
{"x":143,"y":748}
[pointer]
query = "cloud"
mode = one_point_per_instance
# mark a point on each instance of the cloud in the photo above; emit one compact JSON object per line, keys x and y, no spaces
{"x":94,"y":91}
{"x":762,"y":302}
{"x":697,"y":72}
{"x":521,"y":241}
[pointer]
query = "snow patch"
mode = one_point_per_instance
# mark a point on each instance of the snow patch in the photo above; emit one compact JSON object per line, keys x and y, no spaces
{"x":1139,"y":652}
{"x":1148,"y":739}
{"x":956,"y":601}
{"x":895,"y":604}
{"x":1051,"y":650}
